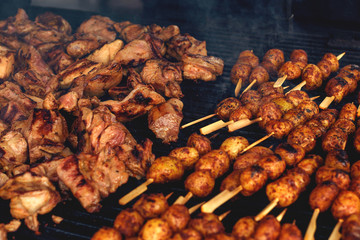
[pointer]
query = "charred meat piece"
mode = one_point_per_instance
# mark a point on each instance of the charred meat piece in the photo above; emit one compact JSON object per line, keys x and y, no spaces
{"x":83,"y":44}
{"x":164,"y":120}
{"x":7,"y":61}
{"x":45,"y":132}
{"x":19,"y":24}
{"x":105,"y":171}
{"x":53,"y":21}
{"x":56,"y":57}
{"x":137,"y":103}
{"x":69,"y":173}
{"x":140,"y":50}
{"x":102,"y":27}
{"x":106,"y":53}
{"x":130,"y":31}
{"x":205,"y":68}
{"x":29,"y":196}
{"x":164,"y":33}
{"x":95,"y":129}
{"x":164,"y":76}
{"x":182,"y":44}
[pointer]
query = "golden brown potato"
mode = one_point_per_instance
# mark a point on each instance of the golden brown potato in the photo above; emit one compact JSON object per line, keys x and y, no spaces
{"x":216,"y":161}
{"x":187,"y":234}
{"x":241,"y":112}
{"x":128,"y":222}
{"x":207,"y":224}
{"x":220,"y":236}
{"x":337,"y":176}
{"x":338,"y":159}
{"x":290,"y":70}
{"x":268,"y":228}
{"x":106,"y":233}
{"x":273,"y":166}
{"x":291,"y":154}
{"x":303,"y":137}
{"x":152,"y":205}
{"x":200,"y":142}
{"x":177,"y":216}
{"x":290,"y":232}
{"x":233,"y":146}
{"x":323,"y":195}
{"x":165,"y":169}
{"x":345,"y":204}
{"x":310,"y":163}
{"x":355,"y":170}
{"x":252,"y":179}
{"x":259,"y":74}
{"x":284,"y":104}
{"x":299,"y":57}
{"x":313,"y":77}
{"x":200,"y":183}
{"x":297,"y":96}
{"x":231,"y":181}
{"x":351,"y":228}
{"x":240,"y":72}
{"x":226,"y":106}
{"x":188,"y":156}
{"x":275,"y":56}
{"x":244,"y":228}
{"x":155,"y":229}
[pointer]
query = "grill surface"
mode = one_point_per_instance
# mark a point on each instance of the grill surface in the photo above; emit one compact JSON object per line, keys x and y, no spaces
{"x":226,"y":36}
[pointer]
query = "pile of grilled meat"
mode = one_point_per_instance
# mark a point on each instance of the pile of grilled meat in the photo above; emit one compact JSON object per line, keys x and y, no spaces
{"x":65,"y":95}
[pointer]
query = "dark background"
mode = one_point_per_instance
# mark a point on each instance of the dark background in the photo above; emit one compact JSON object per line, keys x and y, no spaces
{"x":228,"y":27}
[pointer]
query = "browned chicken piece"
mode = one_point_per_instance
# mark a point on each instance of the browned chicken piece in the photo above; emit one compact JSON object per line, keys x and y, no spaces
{"x":45,"y":132}
{"x":12,"y":226}
{"x":56,"y":57}
{"x":140,"y":50}
{"x":14,"y":104}
{"x":133,"y":79}
{"x":13,"y":149}
{"x":77,"y":69}
{"x":164,"y":120}
{"x":10,"y":42}
{"x":101,"y":26}
{"x":106,"y":53}
{"x":130,"y":31}
{"x":140,"y":100}
{"x":98,"y":81}
{"x":47,"y":169}
{"x":138,"y":158}
{"x":3,"y":179}
{"x":35,"y":76}
{"x":128,"y":222}
{"x":83,"y":44}
{"x":199,"y":67}
{"x":29,"y":196}
{"x":164,"y":76}
{"x":18,"y":24}
{"x":107,"y":233}
{"x":69,"y":173}
{"x":151,"y":205}
{"x":119,"y":92}
{"x":53,"y":21}
{"x":40,"y":36}
{"x":94,"y":129}
{"x":182,"y":44}
{"x":104,"y":171}
{"x":164,"y":33}
{"x":7,"y":61}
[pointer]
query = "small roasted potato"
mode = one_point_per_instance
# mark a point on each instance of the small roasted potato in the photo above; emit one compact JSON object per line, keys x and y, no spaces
{"x":252,"y":179}
{"x":187,"y":234}
{"x":106,"y":233}
{"x":323,"y":195}
{"x":226,"y":106}
{"x":241,"y":112}
{"x":355,"y":170}
{"x":155,"y":229}
{"x":268,"y":228}
{"x":345,"y":204}
{"x":152,"y":205}
{"x":296,"y":97}
{"x":310,"y":163}
{"x":200,"y":183}
{"x":337,"y":176}
{"x":231,"y":181}
{"x":338,"y":159}
{"x":220,"y":236}
{"x":165,"y":169}
{"x":177,"y":216}
{"x":273,"y":166}
{"x":299,"y":57}
{"x":350,"y":229}
{"x":233,"y":146}
{"x":290,"y":70}
{"x":291,"y":154}
{"x":290,"y":232}
{"x":284,"y":104}
{"x":244,"y":228}
{"x":313,"y":77}
{"x":188,"y":156}
{"x":216,"y":161}
{"x":207,"y":224}
{"x":128,"y":222}
{"x":201,"y":143}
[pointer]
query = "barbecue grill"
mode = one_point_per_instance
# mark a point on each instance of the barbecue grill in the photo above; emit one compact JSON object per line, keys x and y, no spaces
{"x":228,"y":27}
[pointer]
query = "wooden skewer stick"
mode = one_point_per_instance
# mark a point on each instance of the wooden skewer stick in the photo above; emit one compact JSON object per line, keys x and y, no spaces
{"x":338,"y":57}
{"x":222,"y":216}
{"x":196,"y":207}
{"x":267,"y":209}
{"x":198,"y":120}
{"x":242,"y":123}
{"x":326,"y":102}
{"x":297,"y":87}
{"x":238,"y":87}
{"x":220,"y":199}
{"x":249,"y":87}
{"x":310,"y":231}
{"x":214,"y":126}
{"x":281,"y":215}
{"x":135,"y":192}
{"x":280,"y":81}
{"x":257,"y":142}
{"x":183,"y":200}
{"x":335,"y":234}
{"x":169,"y":195}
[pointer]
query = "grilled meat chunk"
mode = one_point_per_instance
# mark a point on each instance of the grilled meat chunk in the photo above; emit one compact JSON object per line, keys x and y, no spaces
{"x":100,"y":26}
{"x":139,"y":101}
{"x":206,"y":68}
{"x":7,"y":61}
{"x":182,"y":44}
{"x":29,"y":196}
{"x":164,"y":76}
{"x":164,"y":120}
